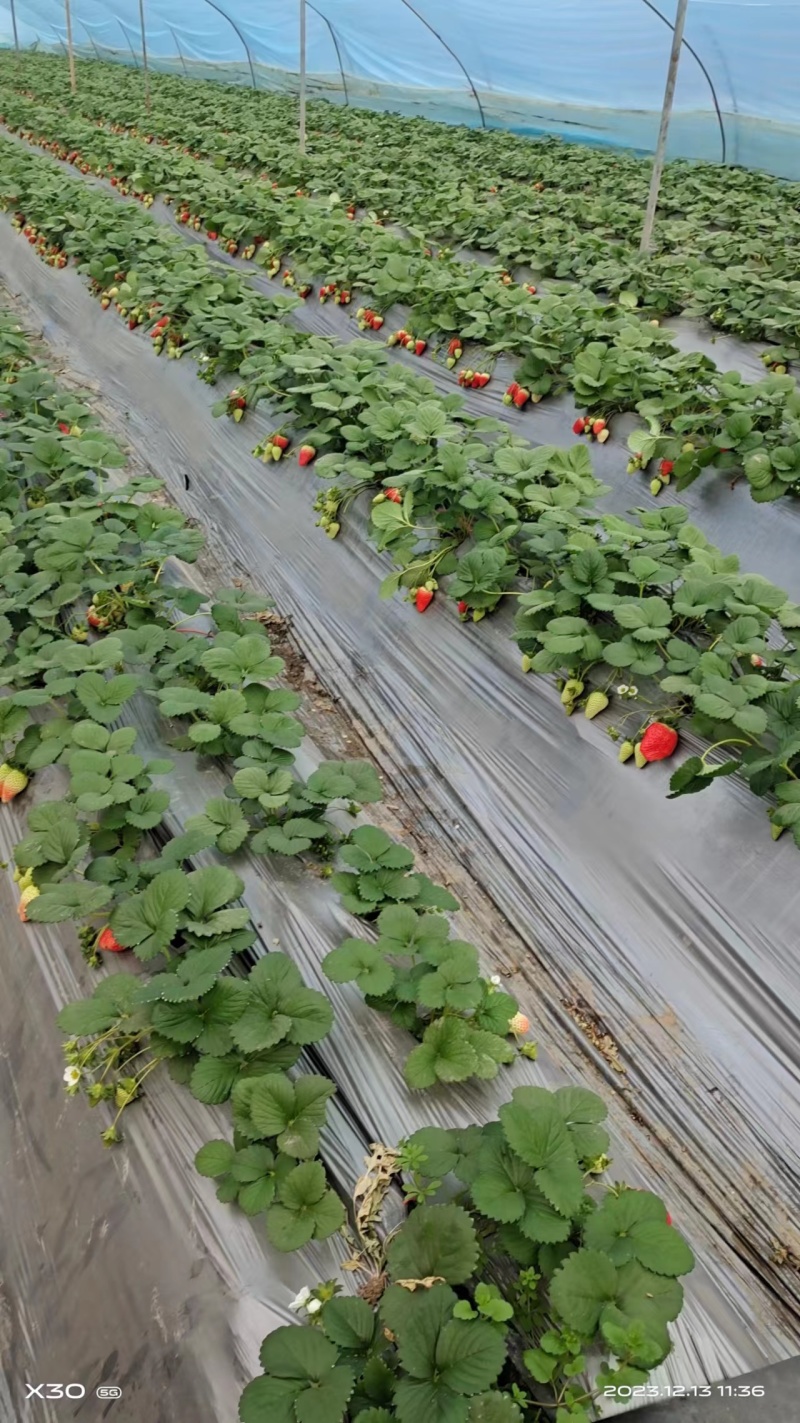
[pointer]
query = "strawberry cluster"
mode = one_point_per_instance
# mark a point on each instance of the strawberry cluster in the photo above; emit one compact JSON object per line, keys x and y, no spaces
{"x":516,"y":394}
{"x":404,"y":338}
{"x":368,"y":319}
{"x":237,"y":404}
{"x":473,"y":380}
{"x":454,"y":352}
{"x":663,"y":476}
{"x":273,"y":448}
{"x":340,"y":295}
{"x":593,"y":429}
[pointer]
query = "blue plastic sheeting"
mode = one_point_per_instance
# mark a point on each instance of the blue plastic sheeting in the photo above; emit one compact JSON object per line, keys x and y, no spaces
{"x":590,"y":69}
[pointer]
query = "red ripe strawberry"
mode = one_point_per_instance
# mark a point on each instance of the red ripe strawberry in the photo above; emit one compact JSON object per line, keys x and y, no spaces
{"x":213,"y":236}
{"x":307,"y":454}
{"x":511,"y":391}
{"x":658,"y":742}
{"x":423,"y":599}
{"x":598,"y":426}
{"x":480,"y":379}
{"x":529,"y":287}
{"x":577,"y":428}
{"x":455,"y":347}
{"x":420,"y":347}
{"x":395,"y":496}
{"x":106,"y":941}
{"x":463,"y":608}
{"x":666,"y":467}
{"x":95,"y":620}
{"x":63,"y":427}
{"x":281,"y":441}
{"x":669,"y":1218}
{"x":521,"y":398}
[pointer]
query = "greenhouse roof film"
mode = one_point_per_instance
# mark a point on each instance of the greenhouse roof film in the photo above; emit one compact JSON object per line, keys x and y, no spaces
{"x":593,"y":72}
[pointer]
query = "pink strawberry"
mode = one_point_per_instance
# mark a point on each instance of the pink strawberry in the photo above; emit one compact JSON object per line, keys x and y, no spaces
{"x":14,"y":782}
{"x":24,"y":900}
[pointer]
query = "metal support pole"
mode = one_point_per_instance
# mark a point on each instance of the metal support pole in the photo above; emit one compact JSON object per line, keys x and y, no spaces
{"x":144,"y":59}
{"x":302,"y":76}
{"x":14,"y":26}
{"x":666,"y":113}
{"x":73,"y":83}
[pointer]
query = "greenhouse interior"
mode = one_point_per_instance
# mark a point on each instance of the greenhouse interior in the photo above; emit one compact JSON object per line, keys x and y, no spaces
{"x":393,"y":676}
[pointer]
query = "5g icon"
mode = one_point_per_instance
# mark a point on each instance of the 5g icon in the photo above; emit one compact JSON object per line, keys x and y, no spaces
{"x":109,"y":1390}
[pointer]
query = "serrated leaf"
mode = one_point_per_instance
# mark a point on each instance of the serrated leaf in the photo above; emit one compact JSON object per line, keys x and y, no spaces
{"x":581,"y":1287}
{"x":214,"y":1159}
{"x":435,"y":1241}
{"x":59,"y":903}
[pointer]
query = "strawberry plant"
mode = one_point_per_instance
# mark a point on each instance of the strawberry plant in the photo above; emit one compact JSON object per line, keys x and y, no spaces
{"x":590,"y":1281}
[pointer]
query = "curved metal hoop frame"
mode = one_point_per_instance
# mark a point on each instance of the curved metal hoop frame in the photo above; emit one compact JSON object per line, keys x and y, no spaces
{"x":473,"y":91}
{"x":335,"y":45}
{"x":709,"y":80}
{"x":234,"y":25}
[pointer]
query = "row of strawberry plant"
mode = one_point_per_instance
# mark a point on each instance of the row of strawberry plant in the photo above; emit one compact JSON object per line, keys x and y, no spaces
{"x":462,"y":1020}
{"x":697,"y":418}
{"x":723,"y":235}
{"x":597,"y":1271}
{"x":88,"y":855}
{"x":530,"y":514}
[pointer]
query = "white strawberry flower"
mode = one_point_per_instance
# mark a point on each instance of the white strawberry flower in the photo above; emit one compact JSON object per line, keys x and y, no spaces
{"x":495,"y":980}
{"x":72,"y":1076}
{"x":622,"y":690}
{"x":300,"y":1300}
{"x":314,"y":1306}
{"x":633,"y":691}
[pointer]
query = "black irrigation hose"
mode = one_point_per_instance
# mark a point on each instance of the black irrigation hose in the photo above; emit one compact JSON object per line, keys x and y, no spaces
{"x":709,"y":80}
